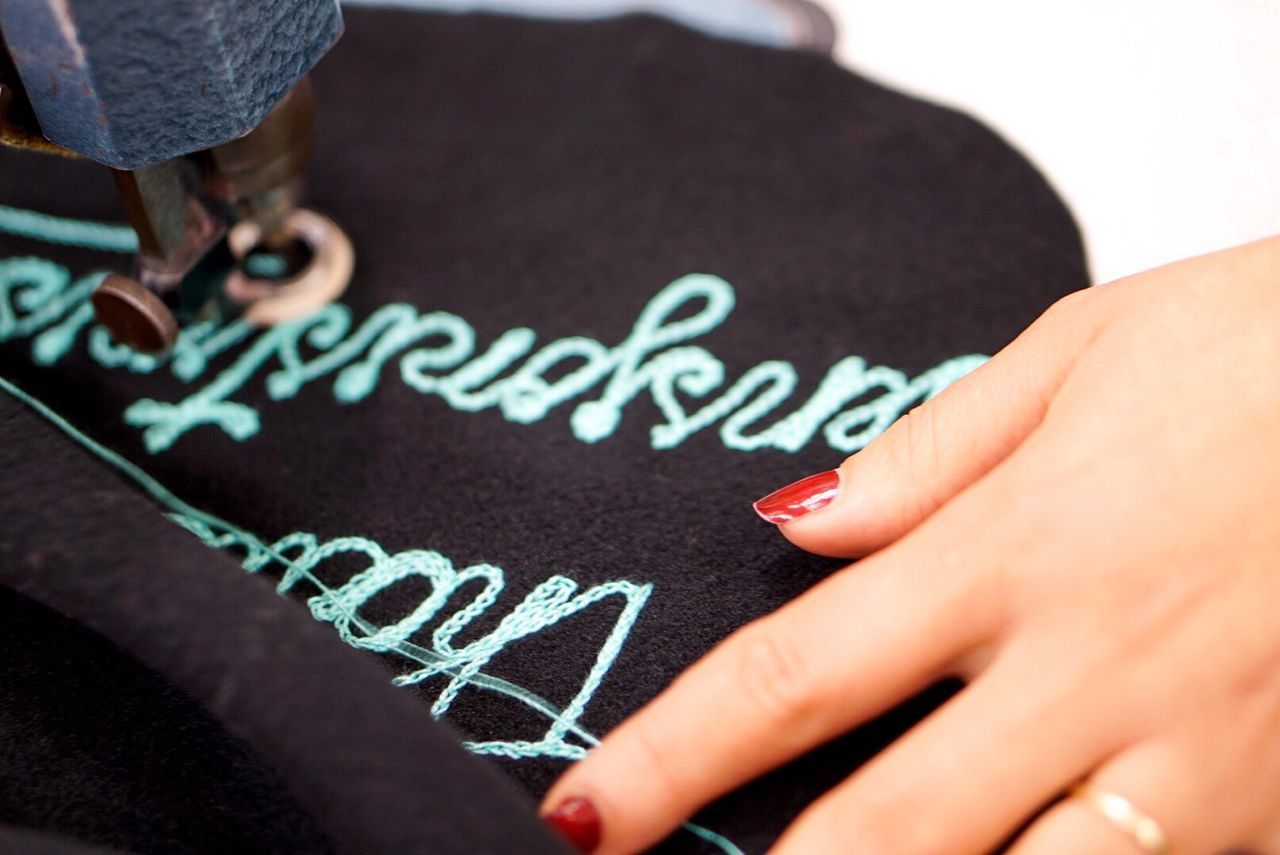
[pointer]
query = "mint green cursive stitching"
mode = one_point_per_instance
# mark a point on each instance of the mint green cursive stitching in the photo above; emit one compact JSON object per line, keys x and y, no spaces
{"x":654,"y":358}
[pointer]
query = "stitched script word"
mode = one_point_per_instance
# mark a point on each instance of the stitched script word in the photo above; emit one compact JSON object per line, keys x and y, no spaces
{"x":475,"y":590}
{"x":437,"y":355}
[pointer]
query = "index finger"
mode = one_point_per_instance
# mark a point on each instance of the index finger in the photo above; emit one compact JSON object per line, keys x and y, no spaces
{"x":861,"y":641}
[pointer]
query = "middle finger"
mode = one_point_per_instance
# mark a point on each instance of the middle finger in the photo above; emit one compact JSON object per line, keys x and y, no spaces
{"x":971,"y":773}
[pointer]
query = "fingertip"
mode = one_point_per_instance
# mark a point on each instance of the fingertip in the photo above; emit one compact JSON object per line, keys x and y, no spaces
{"x":799,"y":498}
{"x":582,"y":807}
{"x":576,"y":819}
{"x":825,"y":514}
{"x":936,"y":450}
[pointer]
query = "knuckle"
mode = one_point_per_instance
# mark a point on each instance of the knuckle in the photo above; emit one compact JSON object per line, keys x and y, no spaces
{"x":917,"y":461}
{"x":1082,"y":311}
{"x":850,"y":463}
{"x":1068,"y":307}
{"x":775,"y":676}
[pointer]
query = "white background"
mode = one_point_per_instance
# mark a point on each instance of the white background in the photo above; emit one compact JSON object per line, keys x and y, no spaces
{"x":1157,"y":120}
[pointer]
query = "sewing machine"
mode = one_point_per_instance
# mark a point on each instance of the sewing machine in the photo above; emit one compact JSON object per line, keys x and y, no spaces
{"x":203,"y":111}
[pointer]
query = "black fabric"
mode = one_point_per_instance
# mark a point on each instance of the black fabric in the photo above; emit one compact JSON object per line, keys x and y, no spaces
{"x":31,"y":842}
{"x":94,"y":745}
{"x":102,"y":748}
{"x":556,"y":177}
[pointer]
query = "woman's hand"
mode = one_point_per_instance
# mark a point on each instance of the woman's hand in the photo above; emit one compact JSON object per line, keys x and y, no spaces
{"x":1087,"y":530}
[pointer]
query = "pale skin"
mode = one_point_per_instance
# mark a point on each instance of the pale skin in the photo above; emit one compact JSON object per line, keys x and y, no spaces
{"x":1087,"y":531}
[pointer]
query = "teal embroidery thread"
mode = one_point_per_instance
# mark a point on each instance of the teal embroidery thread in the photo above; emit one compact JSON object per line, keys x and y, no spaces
{"x":654,"y":358}
{"x":550,"y":602}
{"x":106,"y":237}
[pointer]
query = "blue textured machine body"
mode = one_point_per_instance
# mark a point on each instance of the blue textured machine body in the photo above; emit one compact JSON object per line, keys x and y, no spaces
{"x":129,"y":83}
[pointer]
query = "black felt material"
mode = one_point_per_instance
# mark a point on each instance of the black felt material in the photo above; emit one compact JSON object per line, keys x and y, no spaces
{"x":31,"y":842}
{"x":557,"y":176}
{"x":95,"y":745}
{"x":128,"y":760}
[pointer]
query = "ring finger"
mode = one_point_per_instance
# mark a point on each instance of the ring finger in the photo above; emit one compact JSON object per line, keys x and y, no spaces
{"x":1185,"y":783}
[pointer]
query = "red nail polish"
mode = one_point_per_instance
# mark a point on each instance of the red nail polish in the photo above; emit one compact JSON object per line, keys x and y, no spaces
{"x":577,"y":821}
{"x":795,"y":500}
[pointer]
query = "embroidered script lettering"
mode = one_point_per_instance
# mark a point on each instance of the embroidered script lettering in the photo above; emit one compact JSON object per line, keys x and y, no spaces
{"x":437,"y":355}
{"x":299,"y":555}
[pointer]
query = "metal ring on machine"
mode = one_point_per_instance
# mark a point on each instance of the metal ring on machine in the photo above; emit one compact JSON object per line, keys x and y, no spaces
{"x":326,"y":276}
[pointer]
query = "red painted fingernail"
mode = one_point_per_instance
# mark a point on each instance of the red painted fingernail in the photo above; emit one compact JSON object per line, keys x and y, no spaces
{"x":803,"y":497}
{"x":577,"y":821}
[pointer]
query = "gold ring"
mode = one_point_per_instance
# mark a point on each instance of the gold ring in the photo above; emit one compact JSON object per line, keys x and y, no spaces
{"x":1122,"y":815}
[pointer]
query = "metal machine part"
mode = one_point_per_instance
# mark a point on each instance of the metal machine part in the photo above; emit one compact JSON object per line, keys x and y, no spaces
{"x":320,"y":282}
{"x":203,"y":111}
{"x":136,"y":83}
{"x":135,"y":316}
